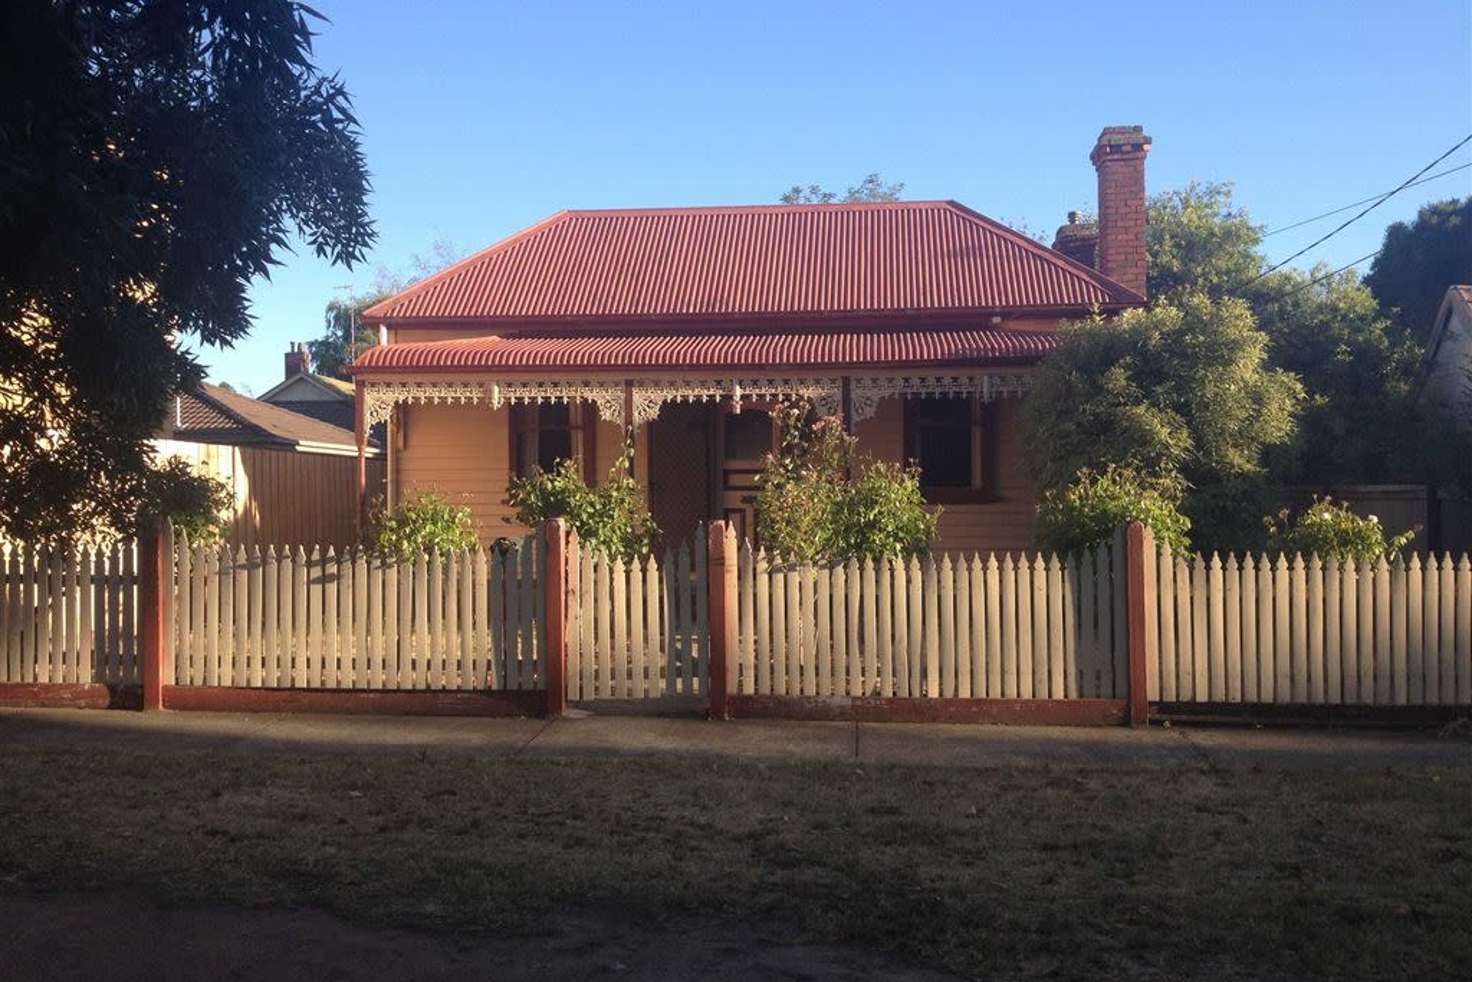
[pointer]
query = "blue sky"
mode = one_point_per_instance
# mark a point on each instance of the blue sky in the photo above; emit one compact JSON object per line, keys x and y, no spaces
{"x":480,"y":118}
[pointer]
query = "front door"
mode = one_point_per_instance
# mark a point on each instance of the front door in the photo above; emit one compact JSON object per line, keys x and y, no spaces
{"x":681,"y":456}
{"x":746,"y":438}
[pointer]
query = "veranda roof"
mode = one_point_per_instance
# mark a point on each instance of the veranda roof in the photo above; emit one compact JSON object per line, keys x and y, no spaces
{"x":763,"y":351}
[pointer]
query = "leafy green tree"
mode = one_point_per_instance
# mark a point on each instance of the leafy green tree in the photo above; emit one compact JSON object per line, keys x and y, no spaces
{"x":1087,"y":511}
{"x":1358,"y":373}
{"x":1178,"y":390}
{"x":1199,"y":241}
{"x":871,"y":188}
{"x":1419,"y":260}
{"x":155,"y":156}
{"x":344,"y":336}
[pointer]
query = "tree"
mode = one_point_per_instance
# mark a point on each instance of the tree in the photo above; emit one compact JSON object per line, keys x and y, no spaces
{"x":155,"y":155}
{"x":871,"y":188}
{"x":344,"y":337}
{"x":1418,"y":261}
{"x":1358,"y":374}
{"x":1199,"y":241}
{"x":1178,"y":390}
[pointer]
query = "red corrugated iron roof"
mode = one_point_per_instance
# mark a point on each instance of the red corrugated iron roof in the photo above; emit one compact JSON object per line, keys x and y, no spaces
{"x":789,"y":261}
{"x":766,"y":351}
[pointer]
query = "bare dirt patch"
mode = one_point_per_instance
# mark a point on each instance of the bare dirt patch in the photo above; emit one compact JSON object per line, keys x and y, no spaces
{"x":120,"y":937}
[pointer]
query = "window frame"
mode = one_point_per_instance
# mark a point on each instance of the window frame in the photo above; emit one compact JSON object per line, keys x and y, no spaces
{"x":983,"y":487}
{"x":525,"y":419}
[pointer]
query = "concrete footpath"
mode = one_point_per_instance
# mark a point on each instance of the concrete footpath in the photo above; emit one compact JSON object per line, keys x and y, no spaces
{"x":892,"y":743}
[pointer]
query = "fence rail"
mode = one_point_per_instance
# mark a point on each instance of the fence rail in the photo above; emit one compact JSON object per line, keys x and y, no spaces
{"x":1275,"y":630}
{"x":68,"y":614}
{"x":454,"y":620}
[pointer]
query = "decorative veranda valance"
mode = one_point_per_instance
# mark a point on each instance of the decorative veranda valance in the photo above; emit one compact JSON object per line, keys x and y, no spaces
{"x":648,"y":396}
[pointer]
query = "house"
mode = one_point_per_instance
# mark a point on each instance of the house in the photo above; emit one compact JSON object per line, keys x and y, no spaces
{"x":293,"y":477}
{"x":920,"y":323}
{"x":1446,"y":382}
{"x":303,"y":391}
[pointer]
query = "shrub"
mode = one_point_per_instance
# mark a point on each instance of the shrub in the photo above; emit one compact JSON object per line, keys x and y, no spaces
{"x":424,"y":522}
{"x":1328,"y":528}
{"x":821,"y":501}
{"x":1088,"y":510}
{"x":200,"y":506}
{"x":611,"y":519}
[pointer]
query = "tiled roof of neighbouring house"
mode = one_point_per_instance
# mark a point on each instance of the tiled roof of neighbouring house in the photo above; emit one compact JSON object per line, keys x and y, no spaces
{"x":796,"y":350}
{"x":792,"y":262}
{"x":212,"y":414}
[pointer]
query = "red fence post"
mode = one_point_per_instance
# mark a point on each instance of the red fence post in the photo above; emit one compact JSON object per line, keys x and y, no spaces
{"x":554,"y":581}
{"x":155,"y":598}
{"x":721,"y":602}
{"x":1140,"y":598}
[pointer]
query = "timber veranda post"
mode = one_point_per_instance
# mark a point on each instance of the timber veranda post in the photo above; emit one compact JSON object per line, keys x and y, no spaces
{"x":554,"y":581}
{"x":721,"y":589}
{"x":155,"y":603}
{"x":1140,"y":595}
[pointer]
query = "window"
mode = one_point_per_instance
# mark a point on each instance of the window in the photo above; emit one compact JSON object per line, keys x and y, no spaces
{"x":748,"y":434}
{"x":950,"y":440}
{"x":543,"y":436}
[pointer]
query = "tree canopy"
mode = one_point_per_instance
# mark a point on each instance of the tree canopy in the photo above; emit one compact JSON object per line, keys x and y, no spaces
{"x":1419,"y":260}
{"x":871,"y":188}
{"x":1178,"y":389}
{"x":344,"y":337}
{"x":155,"y":157}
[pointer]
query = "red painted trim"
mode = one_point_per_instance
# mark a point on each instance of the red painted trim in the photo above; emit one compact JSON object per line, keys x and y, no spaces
{"x":1037,"y":712}
{"x":1139,"y":594}
{"x":70,"y":695}
{"x":155,"y":570}
{"x":720,"y":566}
{"x":554,"y":581}
{"x":428,"y":702}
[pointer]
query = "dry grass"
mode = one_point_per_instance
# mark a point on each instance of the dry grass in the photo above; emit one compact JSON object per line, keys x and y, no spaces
{"x":1067,"y":873}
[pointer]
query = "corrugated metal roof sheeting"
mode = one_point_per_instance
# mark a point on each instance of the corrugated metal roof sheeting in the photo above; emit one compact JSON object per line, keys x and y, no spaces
{"x":759,"y":260}
{"x":765,"y":351}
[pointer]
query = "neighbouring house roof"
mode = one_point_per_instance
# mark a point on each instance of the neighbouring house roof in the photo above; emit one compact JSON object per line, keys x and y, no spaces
{"x":738,"y":350}
{"x":328,"y":388}
{"x":794,"y":263}
{"x":211,"y":414}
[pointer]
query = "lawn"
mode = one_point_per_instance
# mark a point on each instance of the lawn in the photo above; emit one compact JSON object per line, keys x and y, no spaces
{"x":1063,"y":873}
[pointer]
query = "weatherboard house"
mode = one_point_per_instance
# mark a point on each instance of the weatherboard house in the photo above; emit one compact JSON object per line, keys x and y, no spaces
{"x":919,"y":323}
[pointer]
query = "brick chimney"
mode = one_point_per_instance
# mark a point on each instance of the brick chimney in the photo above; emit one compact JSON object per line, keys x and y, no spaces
{"x":1078,"y":239}
{"x":1119,"y":159}
{"x":298,"y":360}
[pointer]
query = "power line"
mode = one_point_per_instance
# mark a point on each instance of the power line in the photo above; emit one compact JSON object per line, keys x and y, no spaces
{"x":1373,"y":197}
{"x":1378,"y":202}
{"x":1319,"y":279}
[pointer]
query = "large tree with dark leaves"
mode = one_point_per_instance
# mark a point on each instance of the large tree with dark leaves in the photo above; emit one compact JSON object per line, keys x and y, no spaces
{"x":155,"y":157}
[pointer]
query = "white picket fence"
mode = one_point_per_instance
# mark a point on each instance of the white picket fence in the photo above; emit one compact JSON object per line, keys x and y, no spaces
{"x":68,"y":613}
{"x":638,"y":628}
{"x":1269,"y":629}
{"x":454,"y":620}
{"x":934,"y":626}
